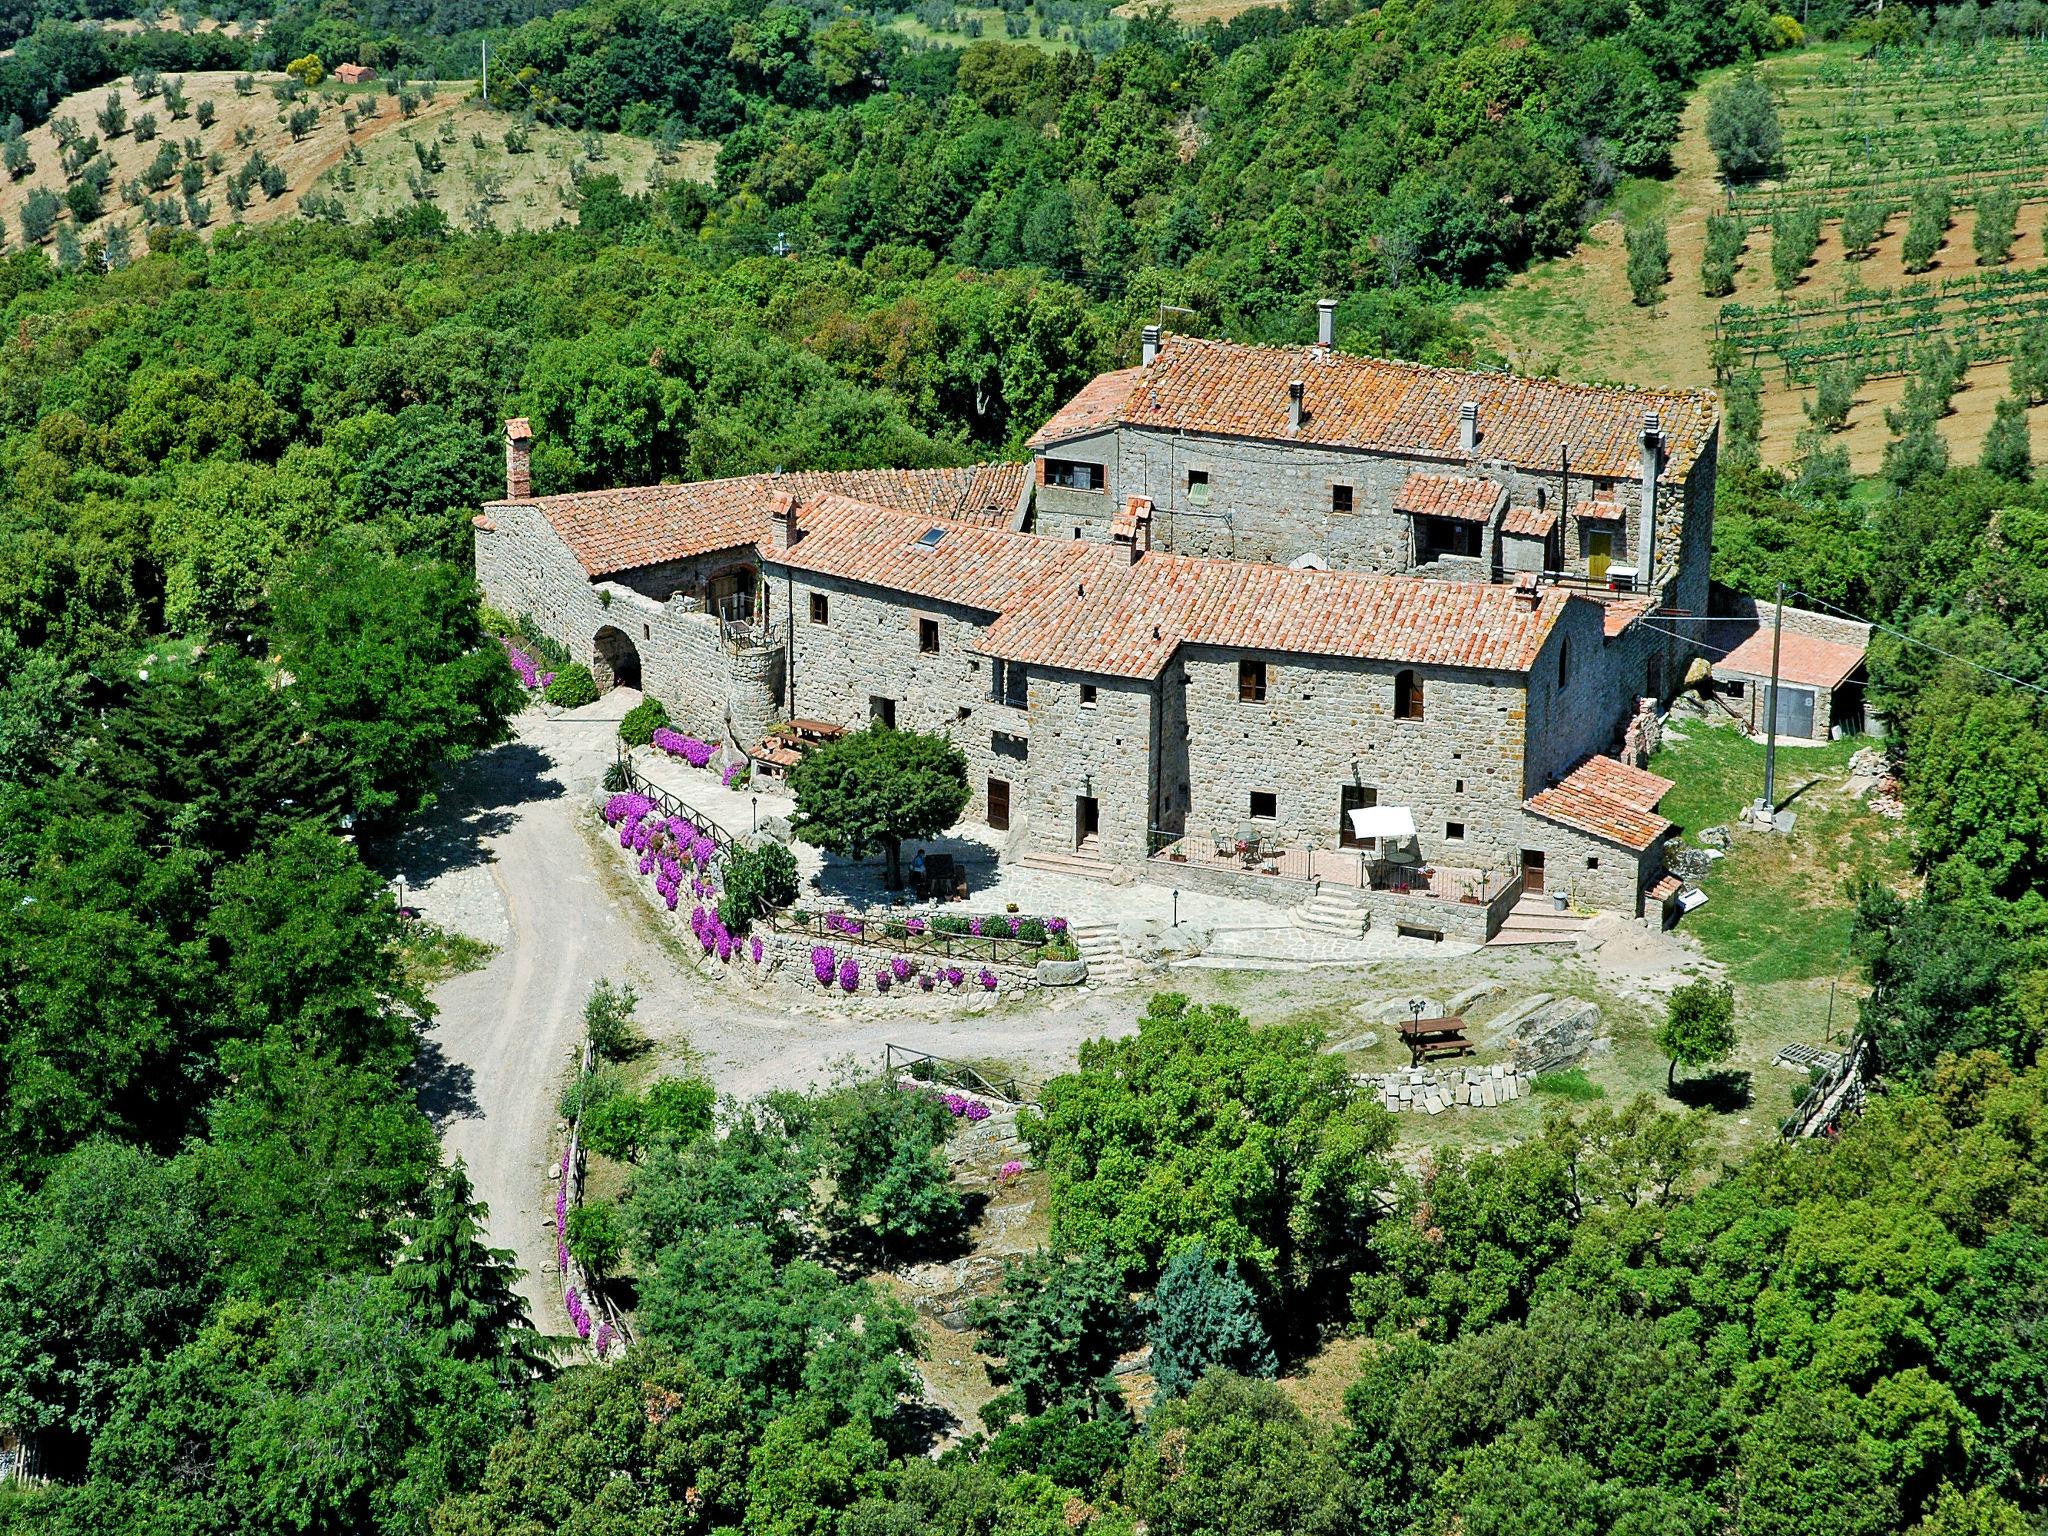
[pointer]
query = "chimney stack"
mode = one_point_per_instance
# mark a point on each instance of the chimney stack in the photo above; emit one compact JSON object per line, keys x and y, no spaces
{"x":1151,"y":336}
{"x":1653,"y":453}
{"x":1468,"y":428}
{"x":782,"y":529}
{"x":1295,"y":389}
{"x":518,"y":458}
{"x":1326,"y":323}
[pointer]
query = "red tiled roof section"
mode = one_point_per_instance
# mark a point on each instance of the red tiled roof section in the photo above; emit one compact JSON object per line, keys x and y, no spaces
{"x":1608,"y":798}
{"x":1100,"y":404}
{"x":1365,"y":402}
{"x":1663,"y":888}
{"x":1461,"y":496}
{"x":1529,"y":522}
{"x":1103,"y":614}
{"x":1802,"y":659}
{"x":879,"y":546}
{"x":619,"y":530}
{"x":1603,"y":509}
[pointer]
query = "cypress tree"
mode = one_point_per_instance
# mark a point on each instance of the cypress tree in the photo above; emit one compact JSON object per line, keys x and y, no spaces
{"x":460,"y":1289}
{"x":1206,"y":1318}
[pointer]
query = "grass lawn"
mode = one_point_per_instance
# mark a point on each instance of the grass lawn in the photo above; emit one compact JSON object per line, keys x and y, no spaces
{"x":1778,"y":909}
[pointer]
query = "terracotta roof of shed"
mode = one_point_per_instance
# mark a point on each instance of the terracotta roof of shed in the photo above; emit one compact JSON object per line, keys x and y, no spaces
{"x":1802,"y":659}
{"x":1350,"y":401}
{"x":1463,"y":497}
{"x":1102,"y":613}
{"x":1608,"y":798}
{"x":633,"y":526}
{"x":1529,"y":522}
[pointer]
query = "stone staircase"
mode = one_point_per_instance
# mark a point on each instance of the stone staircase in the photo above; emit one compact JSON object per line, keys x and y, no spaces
{"x":1333,"y":911}
{"x":1086,"y":865}
{"x":1535,"y":921}
{"x":1109,"y":959}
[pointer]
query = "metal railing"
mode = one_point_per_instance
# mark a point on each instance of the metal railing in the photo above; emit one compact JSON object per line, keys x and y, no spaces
{"x":674,"y":805}
{"x":927,"y":1068}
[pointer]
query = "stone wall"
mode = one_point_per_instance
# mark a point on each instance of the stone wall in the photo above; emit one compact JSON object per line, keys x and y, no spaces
{"x":868,"y":649}
{"x":1328,"y":722}
{"x":524,"y":568}
{"x":1591,"y":870}
{"x":1432,"y":1090}
{"x":1102,"y":750}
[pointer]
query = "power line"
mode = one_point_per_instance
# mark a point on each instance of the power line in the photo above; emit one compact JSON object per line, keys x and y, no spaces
{"x":1925,"y":645}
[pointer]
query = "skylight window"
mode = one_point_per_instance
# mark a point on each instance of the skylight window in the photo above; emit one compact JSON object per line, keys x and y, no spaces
{"x":931,"y":539}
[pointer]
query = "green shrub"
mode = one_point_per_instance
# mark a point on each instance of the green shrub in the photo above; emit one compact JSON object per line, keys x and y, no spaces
{"x":572,"y":688}
{"x":677,"y":1109}
{"x":1998,"y":211}
{"x":1835,"y":388}
{"x":537,"y":642}
{"x":757,"y":878}
{"x":586,"y":1093}
{"x":608,"y":1020}
{"x":597,"y":1236}
{"x":1649,"y":260}
{"x":1726,"y":235}
{"x":642,"y":721}
{"x":1794,"y":236}
{"x":1863,"y":222}
{"x":1929,"y":222}
{"x":1032,"y":930}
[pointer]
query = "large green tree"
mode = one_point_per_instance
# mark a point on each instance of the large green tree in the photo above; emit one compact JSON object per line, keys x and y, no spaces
{"x":460,"y":1288}
{"x":1200,"y":1126}
{"x":871,"y":790}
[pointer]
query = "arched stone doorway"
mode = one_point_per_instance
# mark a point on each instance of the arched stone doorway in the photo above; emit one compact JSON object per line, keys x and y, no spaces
{"x":615,"y":661}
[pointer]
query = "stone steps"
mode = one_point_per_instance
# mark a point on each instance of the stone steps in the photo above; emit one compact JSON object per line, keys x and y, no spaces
{"x":1109,"y":959}
{"x":1533,"y":920}
{"x":1086,"y":865}
{"x":1332,"y":912}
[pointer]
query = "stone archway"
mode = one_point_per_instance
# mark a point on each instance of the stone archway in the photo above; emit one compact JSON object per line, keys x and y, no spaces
{"x":615,"y":660}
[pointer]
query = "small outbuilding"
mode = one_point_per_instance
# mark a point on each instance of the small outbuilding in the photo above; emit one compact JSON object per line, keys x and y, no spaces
{"x":1820,"y":661}
{"x":354,"y":74}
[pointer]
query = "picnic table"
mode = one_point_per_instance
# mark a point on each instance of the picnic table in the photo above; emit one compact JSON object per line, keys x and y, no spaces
{"x":1429,"y":1038}
{"x":816,"y":730}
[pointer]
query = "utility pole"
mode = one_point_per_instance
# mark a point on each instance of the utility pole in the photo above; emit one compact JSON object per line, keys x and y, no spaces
{"x":1768,"y":806}
{"x":487,"y":71}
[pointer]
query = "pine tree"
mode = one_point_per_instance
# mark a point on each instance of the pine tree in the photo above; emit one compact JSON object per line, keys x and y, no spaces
{"x":1206,"y":1318}
{"x":460,"y":1289}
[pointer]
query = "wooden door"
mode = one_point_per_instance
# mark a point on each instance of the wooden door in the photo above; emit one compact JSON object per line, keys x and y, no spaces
{"x":1532,"y":872}
{"x":999,"y":805}
{"x":1599,"y":554}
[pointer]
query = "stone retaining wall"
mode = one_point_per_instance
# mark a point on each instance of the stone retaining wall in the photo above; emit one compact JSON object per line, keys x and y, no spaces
{"x":1432,"y":1090}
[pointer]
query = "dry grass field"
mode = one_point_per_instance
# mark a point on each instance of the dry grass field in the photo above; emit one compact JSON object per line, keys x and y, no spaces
{"x":363,"y":167}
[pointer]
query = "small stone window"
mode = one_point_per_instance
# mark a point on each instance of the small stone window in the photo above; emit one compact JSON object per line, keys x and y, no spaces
{"x":1265,"y":805}
{"x":1251,"y":682}
{"x":1564,"y":663}
{"x":1407,"y":695}
{"x":882,"y":711}
{"x":1454,"y":831}
{"x":1340,"y":498}
{"x":928,"y":636}
{"x":1592,"y":863}
{"x":821,"y":610}
{"x":1087,"y":695}
{"x":962,"y":713}
{"x":1198,"y":487}
{"x":1458,"y":787}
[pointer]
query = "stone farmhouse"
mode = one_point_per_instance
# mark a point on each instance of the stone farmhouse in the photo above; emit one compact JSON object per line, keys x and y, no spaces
{"x":1239,"y":594}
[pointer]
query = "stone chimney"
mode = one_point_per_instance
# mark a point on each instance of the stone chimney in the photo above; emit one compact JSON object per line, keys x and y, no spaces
{"x":782,"y":529}
{"x":1151,"y":344}
{"x":518,"y":458}
{"x":1653,"y":457}
{"x":1326,"y":323}
{"x":1468,"y":428}
{"x":1295,"y":390}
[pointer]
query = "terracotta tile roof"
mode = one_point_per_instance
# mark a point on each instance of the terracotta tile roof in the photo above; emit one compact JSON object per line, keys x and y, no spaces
{"x":1663,"y":888}
{"x":1136,"y":510}
{"x":1100,"y":404}
{"x":1529,"y":522}
{"x":879,"y":546}
{"x":1802,"y":659}
{"x":1364,"y":402}
{"x":1608,"y":798}
{"x":1102,"y":613}
{"x":1461,"y":496}
{"x":1604,"y":509}
{"x":1619,"y":615}
{"x":619,"y":530}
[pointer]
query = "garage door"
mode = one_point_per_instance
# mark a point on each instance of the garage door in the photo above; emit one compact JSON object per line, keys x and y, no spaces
{"x":1795,"y":711}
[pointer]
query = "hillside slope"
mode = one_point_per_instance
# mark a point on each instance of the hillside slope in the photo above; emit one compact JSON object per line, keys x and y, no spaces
{"x":355,"y":149}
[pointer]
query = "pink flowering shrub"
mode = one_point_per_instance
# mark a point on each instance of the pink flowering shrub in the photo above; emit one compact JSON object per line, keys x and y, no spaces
{"x":849,"y":974}
{"x":692,"y":751}
{"x":823,"y":963}
{"x":754,"y":945}
{"x":901,"y":967}
{"x":1010,"y":1170}
{"x":988,"y":979}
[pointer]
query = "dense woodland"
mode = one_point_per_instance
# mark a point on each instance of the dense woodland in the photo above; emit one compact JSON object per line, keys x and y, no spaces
{"x":238,"y":640}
